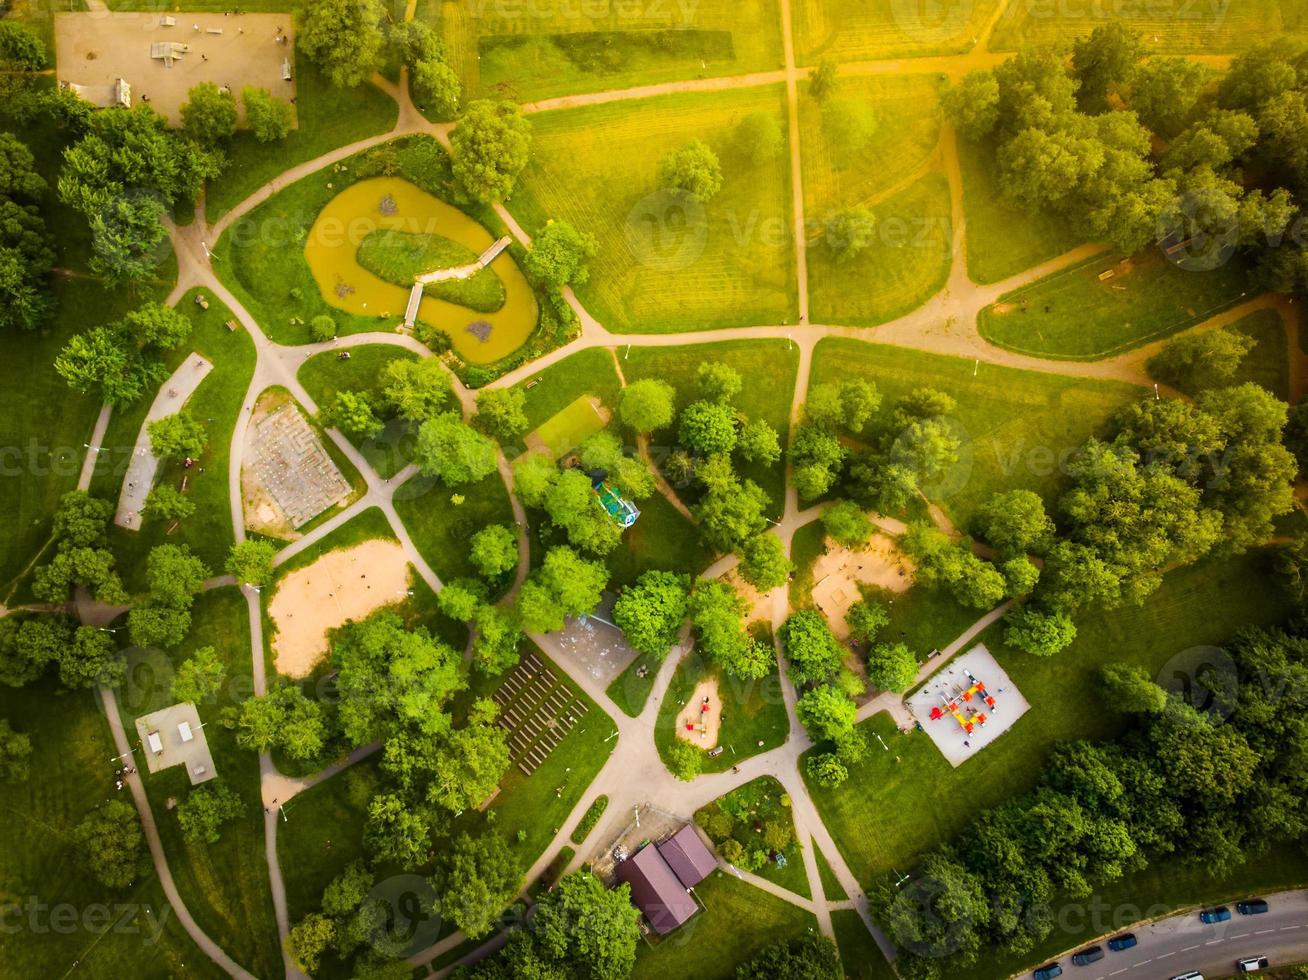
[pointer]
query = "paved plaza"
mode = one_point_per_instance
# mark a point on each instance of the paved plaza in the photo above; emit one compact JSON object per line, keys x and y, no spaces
{"x":165,"y":728}
{"x":292,"y":464}
{"x":990,"y":711}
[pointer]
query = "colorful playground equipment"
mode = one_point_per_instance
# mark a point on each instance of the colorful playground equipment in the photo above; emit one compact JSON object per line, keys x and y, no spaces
{"x":960,"y":706}
{"x":621,"y":510}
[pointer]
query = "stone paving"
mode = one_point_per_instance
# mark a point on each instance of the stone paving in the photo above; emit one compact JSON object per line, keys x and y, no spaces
{"x":291,"y":463}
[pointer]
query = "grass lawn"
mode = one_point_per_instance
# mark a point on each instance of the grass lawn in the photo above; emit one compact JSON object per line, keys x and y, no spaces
{"x":71,"y":772}
{"x":664,"y":265}
{"x":1202,"y":604}
{"x":1173,"y":26}
{"x":400,"y":257}
{"x":831,"y":887}
{"x":328,"y":116}
{"x":859,"y":953}
{"x":1268,"y":364}
{"x":441,"y":529}
{"x":324,"y":375}
{"x":752,"y":712}
{"x":758,"y":802}
{"x":569,"y":427}
{"x":556,"y":48}
{"x":217,"y":404}
{"x":805,"y":547}
{"x":883,"y":28}
{"x":537,"y":805}
{"x":630,"y":691}
{"x":768,"y":367}
{"x":737,"y":922}
{"x":925,"y":619}
{"x":225,"y":885}
{"x":1002,"y":237}
{"x":1014,"y":425}
{"x":588,"y":372}
{"x":1073,"y":314}
{"x":660,"y":539}
{"x":908,"y":260}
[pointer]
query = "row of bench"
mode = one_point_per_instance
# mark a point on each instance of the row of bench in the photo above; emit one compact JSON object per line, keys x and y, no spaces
{"x":537,"y":711}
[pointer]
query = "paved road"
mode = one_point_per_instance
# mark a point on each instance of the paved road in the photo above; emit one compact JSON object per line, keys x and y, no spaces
{"x":1182,"y":943}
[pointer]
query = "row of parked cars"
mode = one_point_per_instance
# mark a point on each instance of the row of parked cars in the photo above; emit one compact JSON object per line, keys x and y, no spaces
{"x":1126,"y":940}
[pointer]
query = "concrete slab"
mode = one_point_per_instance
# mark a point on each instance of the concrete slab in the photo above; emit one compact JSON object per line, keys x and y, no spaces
{"x":596,"y":645}
{"x":174,"y":750}
{"x":949,"y":686}
{"x":96,"y":48}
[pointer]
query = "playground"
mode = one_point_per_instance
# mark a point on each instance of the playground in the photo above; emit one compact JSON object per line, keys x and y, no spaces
{"x":162,"y":56}
{"x":392,"y":203}
{"x":700,"y":721}
{"x":967,"y":704}
{"x":340,"y":586}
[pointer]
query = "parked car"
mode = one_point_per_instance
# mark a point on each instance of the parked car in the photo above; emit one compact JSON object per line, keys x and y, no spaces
{"x":1084,"y":957}
{"x":1124,"y":941}
{"x":1251,"y":964}
{"x":1048,"y":972}
{"x":1192,"y":975}
{"x":1252,"y":906}
{"x":1219,"y":914}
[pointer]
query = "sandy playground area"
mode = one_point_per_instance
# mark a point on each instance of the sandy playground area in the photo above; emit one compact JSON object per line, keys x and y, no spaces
{"x":700,"y":721}
{"x":839,"y":572}
{"x":340,"y":586}
{"x":98,"y":47}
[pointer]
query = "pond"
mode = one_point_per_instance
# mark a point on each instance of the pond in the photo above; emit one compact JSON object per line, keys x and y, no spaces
{"x":393,"y":203}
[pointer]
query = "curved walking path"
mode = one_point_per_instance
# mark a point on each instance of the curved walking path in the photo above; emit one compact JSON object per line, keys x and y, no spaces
{"x":945,"y":324}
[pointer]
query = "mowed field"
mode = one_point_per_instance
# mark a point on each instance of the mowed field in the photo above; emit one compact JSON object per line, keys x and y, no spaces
{"x":666,"y":264}
{"x":875,"y":144}
{"x":529,"y":50}
{"x":870,"y":29}
{"x":1213,"y":26}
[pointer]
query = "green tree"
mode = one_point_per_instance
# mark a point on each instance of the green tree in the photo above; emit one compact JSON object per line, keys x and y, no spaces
{"x":269,"y":118}
{"x":1129,"y":688}
{"x":684,"y":760}
{"x":647,"y":404}
{"x":344,"y":38}
{"x":972,"y":104}
{"x":1038,"y":632}
{"x":175,"y":576}
{"x":494,"y":550}
{"x":168,"y":503}
{"x":708,"y":428}
{"x":416,"y":389}
{"x":15,"y":748}
{"x":693,"y":168}
{"x":500,"y":412}
{"x":732,"y":513}
{"x":322,"y":328}
{"x":1105,"y":61}
{"x":436,"y":87}
{"x":28,"y":647}
{"x":1020,"y":576}
{"x":310,"y":938}
{"x":459,"y":599}
{"x":354,"y":414}
{"x":1015,"y":522}
{"x":758,"y":442}
{"x":891,"y":667}
{"x":490,"y":148}
{"x":1164,"y":92}
{"x":805,"y":958}
{"x":251,"y":561}
{"x":825,"y":712}
{"x":592,"y":929}
{"x":826,"y":769}
{"x":815,"y":655}
{"x":209,"y":114}
{"x":470,"y":761}
{"x":199,"y":678}
{"x":764,"y":563}
{"x":479,"y":878}
{"x":822,"y":79}
{"x":759,"y":135}
{"x":495,"y":647}
{"x":452,"y":451}
{"x":717,"y":381}
{"x":559,"y":255}
{"x":112,"y":844}
{"x":850,"y":232}
{"x":866,"y":618}
{"x":92,"y":659}
{"x":1197,"y":361}
{"x":179,"y":436}
{"x":650,"y":611}
{"x":205,"y":810}
{"x":847,"y":524}
{"x":158,"y":626}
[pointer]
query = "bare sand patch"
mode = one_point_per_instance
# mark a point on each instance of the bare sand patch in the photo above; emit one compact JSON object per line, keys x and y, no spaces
{"x":340,"y":586}
{"x":700,"y":721}
{"x":838,"y":573}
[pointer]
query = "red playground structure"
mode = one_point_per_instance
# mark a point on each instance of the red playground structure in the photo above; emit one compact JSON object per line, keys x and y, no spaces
{"x":960,"y":706}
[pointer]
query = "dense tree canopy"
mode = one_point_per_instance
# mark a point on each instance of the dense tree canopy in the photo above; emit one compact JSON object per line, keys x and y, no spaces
{"x":490,"y":148}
